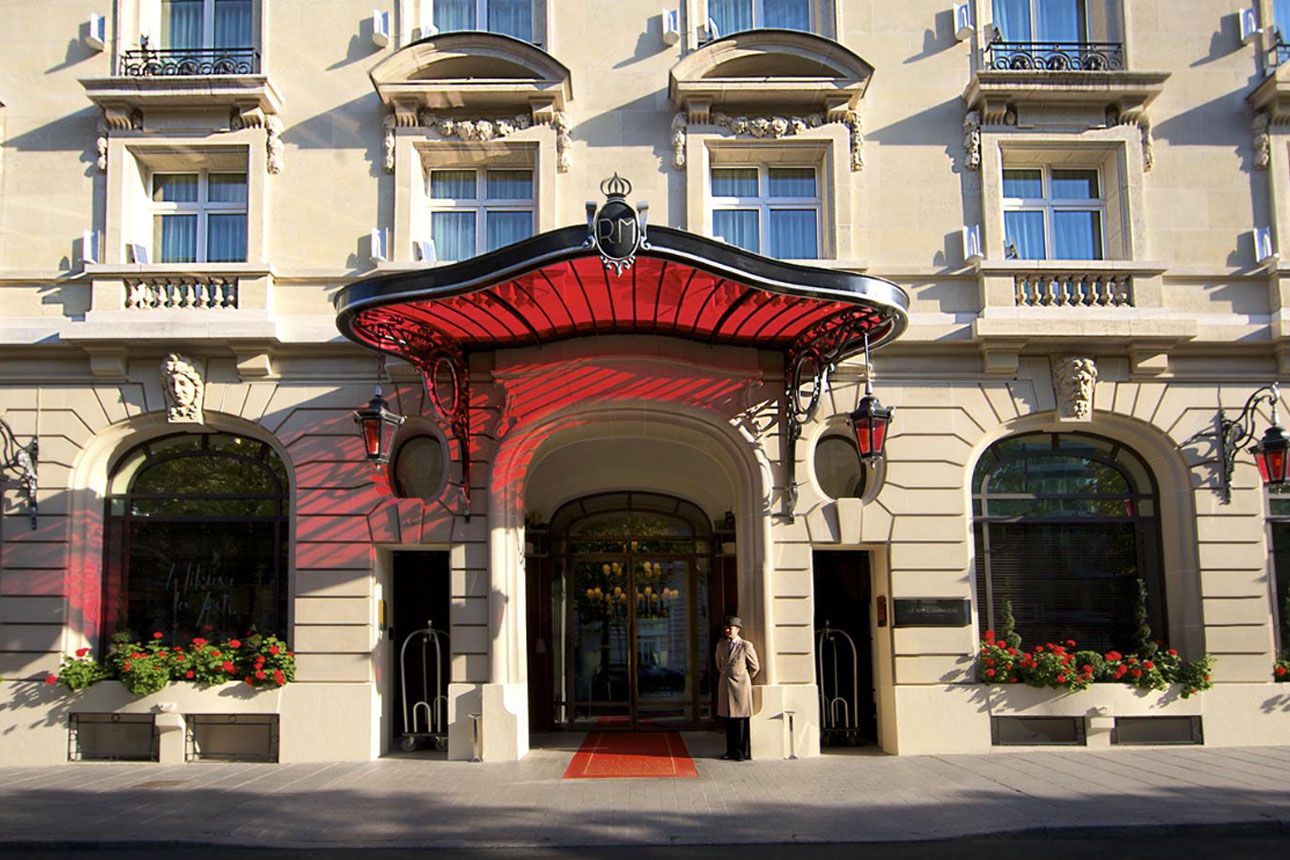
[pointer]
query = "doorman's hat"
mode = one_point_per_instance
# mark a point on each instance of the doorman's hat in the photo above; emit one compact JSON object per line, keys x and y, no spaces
{"x":732,"y":621}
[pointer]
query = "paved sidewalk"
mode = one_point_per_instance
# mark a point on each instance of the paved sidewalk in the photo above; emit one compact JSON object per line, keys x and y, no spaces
{"x":848,"y":797}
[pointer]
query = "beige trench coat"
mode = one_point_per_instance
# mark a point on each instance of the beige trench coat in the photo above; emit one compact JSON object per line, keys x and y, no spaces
{"x":737,"y":665}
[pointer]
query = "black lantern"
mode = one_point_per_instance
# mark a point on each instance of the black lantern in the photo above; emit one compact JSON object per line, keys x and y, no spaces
{"x":376,"y":424}
{"x":1270,"y":455}
{"x":870,"y":420}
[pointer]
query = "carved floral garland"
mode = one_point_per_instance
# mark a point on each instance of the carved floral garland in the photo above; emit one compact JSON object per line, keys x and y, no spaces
{"x":481,"y":130}
{"x":769,"y":126}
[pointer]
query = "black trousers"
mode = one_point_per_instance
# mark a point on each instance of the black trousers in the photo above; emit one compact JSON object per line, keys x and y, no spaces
{"x":737,"y":737}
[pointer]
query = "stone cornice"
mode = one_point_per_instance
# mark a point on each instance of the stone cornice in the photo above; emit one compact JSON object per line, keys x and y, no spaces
{"x":1127,"y":93}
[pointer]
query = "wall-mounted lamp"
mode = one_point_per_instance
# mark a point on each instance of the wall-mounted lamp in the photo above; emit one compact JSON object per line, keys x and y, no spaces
{"x":870,"y":420}
{"x":377,"y":424}
{"x":19,"y":466}
{"x":1271,"y":452}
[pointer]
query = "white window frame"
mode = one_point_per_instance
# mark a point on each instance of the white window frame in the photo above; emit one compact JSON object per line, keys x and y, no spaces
{"x":763,"y":203}
{"x":759,"y":17}
{"x":208,"y":25}
{"x":1047,"y":205}
{"x":203,"y":208}
{"x":481,"y":205}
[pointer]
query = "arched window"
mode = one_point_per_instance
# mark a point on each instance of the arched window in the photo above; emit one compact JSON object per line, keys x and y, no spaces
{"x":196,"y":541}
{"x":1066,"y":526}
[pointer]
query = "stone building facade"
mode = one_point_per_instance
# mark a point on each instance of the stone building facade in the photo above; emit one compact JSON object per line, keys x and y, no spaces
{"x":1085,"y":219}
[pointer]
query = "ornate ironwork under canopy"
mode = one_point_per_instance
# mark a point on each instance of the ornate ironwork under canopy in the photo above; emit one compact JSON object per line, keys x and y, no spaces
{"x":615,"y":276}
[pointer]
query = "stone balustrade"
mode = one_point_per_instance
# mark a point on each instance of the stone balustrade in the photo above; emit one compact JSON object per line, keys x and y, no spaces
{"x":1084,"y":289}
{"x":181,"y":292}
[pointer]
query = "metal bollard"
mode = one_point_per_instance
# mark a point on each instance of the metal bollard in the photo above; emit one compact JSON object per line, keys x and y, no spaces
{"x":476,"y":739}
{"x":792,"y":746}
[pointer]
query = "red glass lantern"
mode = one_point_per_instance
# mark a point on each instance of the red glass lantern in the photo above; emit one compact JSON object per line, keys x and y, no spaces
{"x":869,"y":422}
{"x":376,"y":424}
{"x":1270,"y":455}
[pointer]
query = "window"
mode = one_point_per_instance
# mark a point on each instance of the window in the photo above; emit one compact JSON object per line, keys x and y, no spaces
{"x":476,"y":211}
{"x":1041,"y":20}
{"x":768,"y":210}
{"x":1052,"y":214}
{"x":196,"y":539}
{"x":194,"y":24}
{"x":1066,"y":528}
{"x":733,"y":16}
{"x":1281,"y":18}
{"x":507,"y":17}
{"x":199,"y":217}
{"x":1279,"y":524}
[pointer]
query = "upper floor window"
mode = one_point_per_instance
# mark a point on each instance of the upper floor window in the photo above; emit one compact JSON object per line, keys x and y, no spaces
{"x":1052,"y":214}
{"x":507,"y":17}
{"x":476,"y":211}
{"x":734,"y":16}
{"x":199,"y":217}
{"x":1041,"y":20}
{"x":768,"y":210}
{"x":192,"y":24}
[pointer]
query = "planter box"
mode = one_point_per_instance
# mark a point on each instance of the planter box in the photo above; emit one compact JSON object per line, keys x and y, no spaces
{"x":1099,"y":700}
{"x":111,"y":697}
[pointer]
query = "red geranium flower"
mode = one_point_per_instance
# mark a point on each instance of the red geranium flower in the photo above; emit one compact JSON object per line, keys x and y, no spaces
{"x":228,"y":667}
{"x":158,"y":635}
{"x":279,"y":678}
{"x":1113,"y":656}
{"x":273,"y":649}
{"x":1087,"y":668}
{"x":989,"y":673}
{"x":1012,"y":652}
{"x":259,"y":674}
{"x":199,"y":642}
{"x":81,"y":652}
{"x":1281,"y":671}
{"x":125,"y":666}
{"x":1172,"y":652}
{"x":51,"y":679}
{"x":248,"y":681}
{"x":179,"y":658}
{"x":1148,"y":664}
{"x":1070,"y":643}
{"x":207,"y":628}
{"x":1039,"y":649}
{"x":234,"y":643}
{"x":214,"y":652}
{"x":1061,"y":679}
{"x":1137,"y":673}
{"x":989,"y":636}
{"x":189,"y":674}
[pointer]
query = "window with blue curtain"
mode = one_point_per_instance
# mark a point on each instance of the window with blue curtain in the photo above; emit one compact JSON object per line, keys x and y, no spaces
{"x":511,"y":18}
{"x":1281,"y":17}
{"x":454,"y":15}
{"x":473,"y":212}
{"x":1052,"y":214}
{"x":772,"y":210}
{"x":199,"y":217}
{"x":1041,"y":20}
{"x":192,"y":24}
{"x":735,"y":16}
{"x":181,"y":23}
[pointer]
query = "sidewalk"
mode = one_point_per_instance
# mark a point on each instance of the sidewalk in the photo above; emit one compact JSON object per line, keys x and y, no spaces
{"x":421,"y":799}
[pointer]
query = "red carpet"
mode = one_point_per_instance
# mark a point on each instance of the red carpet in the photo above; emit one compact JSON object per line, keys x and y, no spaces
{"x":632,"y":755}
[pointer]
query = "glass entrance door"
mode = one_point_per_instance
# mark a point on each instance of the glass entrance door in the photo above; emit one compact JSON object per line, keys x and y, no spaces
{"x":634,"y":606}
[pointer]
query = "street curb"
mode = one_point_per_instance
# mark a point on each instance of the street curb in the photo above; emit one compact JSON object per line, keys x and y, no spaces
{"x":1260,"y":827}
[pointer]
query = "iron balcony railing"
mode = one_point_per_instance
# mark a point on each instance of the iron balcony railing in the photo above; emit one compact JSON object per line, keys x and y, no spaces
{"x":1055,"y":56}
{"x":167,"y":62}
{"x":1281,"y":52}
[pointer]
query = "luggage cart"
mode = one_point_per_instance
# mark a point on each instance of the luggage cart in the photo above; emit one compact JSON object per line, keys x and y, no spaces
{"x":427,"y":717}
{"x":839,"y":720}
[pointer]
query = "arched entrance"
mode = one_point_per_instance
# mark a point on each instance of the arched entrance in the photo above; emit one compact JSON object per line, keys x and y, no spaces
{"x":624,"y":609}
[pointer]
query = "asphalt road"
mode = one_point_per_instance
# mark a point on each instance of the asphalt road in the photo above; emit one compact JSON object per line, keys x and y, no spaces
{"x":1262,"y":847}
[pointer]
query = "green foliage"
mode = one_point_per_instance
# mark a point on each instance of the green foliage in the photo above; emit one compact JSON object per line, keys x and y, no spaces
{"x":79,"y":671}
{"x":1143,"y":643}
{"x":1008,"y":626}
{"x":260,"y":660}
{"x":1281,"y":669}
{"x":1059,"y":666}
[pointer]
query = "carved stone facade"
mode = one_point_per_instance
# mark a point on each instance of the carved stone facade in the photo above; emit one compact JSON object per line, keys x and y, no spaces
{"x":184,"y":387}
{"x":1260,"y":142}
{"x":474,"y":129}
{"x":1073,"y":381}
{"x":770,"y":126}
{"x":972,"y":140}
